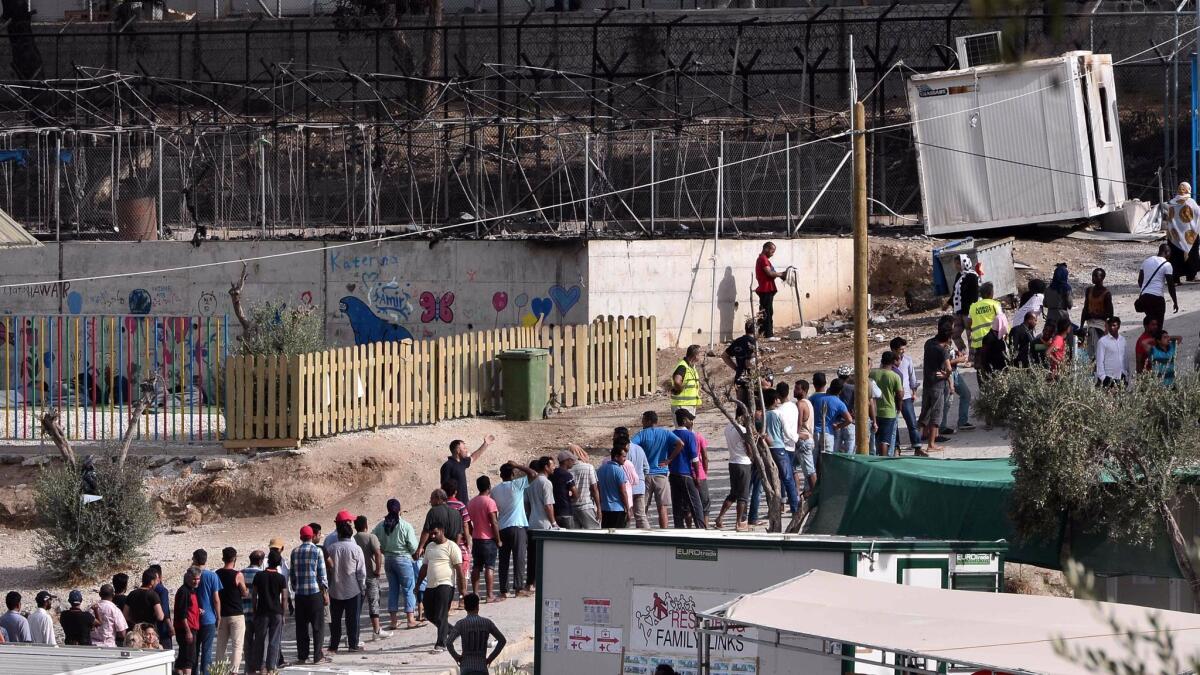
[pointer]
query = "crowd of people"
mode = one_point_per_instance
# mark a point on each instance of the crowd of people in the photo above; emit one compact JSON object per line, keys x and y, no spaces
{"x":477,"y":547}
{"x":1095,"y":341}
{"x":234,"y":613}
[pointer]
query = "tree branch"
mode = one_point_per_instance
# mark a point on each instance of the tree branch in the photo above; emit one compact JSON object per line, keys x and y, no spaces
{"x":235,"y":296}
{"x":759,"y":458}
{"x":50,"y":428}
{"x":145,"y":399}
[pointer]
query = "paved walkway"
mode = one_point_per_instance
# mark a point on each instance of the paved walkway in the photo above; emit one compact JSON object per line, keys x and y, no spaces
{"x":408,"y":651}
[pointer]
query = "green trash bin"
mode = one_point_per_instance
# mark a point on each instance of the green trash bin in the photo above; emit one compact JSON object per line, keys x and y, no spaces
{"x":525,"y":383}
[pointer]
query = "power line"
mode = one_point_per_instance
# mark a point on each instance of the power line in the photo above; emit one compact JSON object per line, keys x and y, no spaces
{"x":403,"y":235}
{"x":537,"y":210}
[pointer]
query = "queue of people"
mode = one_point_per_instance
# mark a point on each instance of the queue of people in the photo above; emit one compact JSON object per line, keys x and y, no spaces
{"x":238,"y":614}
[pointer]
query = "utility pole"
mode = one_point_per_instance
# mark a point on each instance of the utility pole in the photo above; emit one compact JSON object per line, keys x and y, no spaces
{"x":862,"y":397}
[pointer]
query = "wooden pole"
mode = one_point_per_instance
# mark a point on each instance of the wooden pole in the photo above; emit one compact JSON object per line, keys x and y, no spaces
{"x":862,"y":398}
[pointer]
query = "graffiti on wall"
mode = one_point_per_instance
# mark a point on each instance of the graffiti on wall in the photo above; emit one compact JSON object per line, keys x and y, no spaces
{"x":49,"y":290}
{"x":207,"y":303}
{"x":388,"y":298}
{"x":380,"y":305}
{"x":369,"y":327}
{"x":564,"y":298}
{"x":138,"y":301}
{"x":437,"y":309}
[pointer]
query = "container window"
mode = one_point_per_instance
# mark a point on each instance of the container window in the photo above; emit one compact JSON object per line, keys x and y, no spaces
{"x":1104,"y":113}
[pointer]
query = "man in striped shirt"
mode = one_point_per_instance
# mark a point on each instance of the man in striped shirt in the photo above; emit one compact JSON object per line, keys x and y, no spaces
{"x":474,"y":631}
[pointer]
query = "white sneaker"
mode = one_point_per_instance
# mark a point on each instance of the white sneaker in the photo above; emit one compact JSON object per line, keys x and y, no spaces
{"x":382,"y":634}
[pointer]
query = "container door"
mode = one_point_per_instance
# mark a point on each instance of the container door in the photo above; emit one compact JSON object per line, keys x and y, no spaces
{"x":1030,"y":141}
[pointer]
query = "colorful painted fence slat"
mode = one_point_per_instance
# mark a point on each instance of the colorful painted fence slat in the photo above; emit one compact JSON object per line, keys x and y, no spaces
{"x":281,"y":401}
{"x":89,"y":369}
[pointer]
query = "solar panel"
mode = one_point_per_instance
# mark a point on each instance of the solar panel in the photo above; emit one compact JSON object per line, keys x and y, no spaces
{"x":979,"y":49}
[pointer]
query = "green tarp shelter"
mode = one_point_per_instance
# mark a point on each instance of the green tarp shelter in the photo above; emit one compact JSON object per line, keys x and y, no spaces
{"x":959,"y":500}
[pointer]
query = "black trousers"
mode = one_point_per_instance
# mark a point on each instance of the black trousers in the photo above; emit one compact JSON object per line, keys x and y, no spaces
{"x":350,"y":609}
{"x":685,"y":497}
{"x":268,"y":642}
{"x":766,"y":302}
{"x":512,"y":547}
{"x":613,"y":519}
{"x":310,"y":621}
{"x":1154,"y":306}
{"x":437,"y":609}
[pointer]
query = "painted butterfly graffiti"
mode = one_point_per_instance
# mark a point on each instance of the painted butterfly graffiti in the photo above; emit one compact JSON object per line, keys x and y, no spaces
{"x":437,"y":308}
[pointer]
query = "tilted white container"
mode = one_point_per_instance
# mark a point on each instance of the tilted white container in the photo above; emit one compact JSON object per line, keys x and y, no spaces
{"x":1017,"y":144}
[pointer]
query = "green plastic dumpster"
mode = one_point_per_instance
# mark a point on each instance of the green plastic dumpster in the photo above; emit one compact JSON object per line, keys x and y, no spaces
{"x":525,"y":383}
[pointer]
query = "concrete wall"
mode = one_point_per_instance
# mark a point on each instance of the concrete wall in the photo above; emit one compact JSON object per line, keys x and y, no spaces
{"x":453,"y":286}
{"x":399,"y":289}
{"x":673,"y":280}
{"x":394,"y":289}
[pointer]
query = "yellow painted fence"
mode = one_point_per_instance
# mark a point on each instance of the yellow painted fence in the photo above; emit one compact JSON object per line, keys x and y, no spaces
{"x":278,"y":401}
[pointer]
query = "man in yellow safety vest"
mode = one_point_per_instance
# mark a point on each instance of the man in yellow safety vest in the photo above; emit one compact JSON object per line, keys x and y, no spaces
{"x":981,"y":315}
{"x":685,"y":382}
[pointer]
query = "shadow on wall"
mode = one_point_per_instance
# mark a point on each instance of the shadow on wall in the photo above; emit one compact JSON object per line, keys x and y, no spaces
{"x":727,"y":305}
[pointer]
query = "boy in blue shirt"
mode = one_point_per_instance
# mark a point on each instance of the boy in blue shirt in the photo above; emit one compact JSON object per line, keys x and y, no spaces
{"x":685,"y":487}
{"x":611,"y":479}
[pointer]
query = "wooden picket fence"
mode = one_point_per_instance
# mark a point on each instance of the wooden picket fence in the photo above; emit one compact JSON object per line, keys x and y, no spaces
{"x":279,"y":401}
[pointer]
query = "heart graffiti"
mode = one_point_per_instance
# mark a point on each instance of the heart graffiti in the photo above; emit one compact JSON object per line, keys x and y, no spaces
{"x":541,"y":307}
{"x":564,"y":298}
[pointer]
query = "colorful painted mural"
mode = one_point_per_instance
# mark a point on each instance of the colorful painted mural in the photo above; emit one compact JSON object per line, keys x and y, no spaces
{"x":90,"y":367}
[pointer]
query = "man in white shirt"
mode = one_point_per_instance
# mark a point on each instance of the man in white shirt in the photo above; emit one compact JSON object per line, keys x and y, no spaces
{"x":1156,"y":272}
{"x":908,"y":377}
{"x":739,"y":475}
{"x":1111,"y":370}
{"x":41,"y":624}
{"x":539,"y":502}
{"x":789,"y":414}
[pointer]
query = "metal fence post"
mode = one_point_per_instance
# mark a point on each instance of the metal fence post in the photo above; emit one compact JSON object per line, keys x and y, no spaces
{"x":653,"y":187}
{"x":587,"y":183}
{"x":787,"y":188}
{"x":159,"y":161}
{"x":262,"y":181}
{"x":57,"y":184}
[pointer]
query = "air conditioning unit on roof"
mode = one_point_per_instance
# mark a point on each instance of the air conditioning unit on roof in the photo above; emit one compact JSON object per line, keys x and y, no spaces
{"x":979,"y":49}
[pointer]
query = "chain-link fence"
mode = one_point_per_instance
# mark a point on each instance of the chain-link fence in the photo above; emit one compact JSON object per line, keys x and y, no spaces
{"x":267,"y":128}
{"x":363,"y":181}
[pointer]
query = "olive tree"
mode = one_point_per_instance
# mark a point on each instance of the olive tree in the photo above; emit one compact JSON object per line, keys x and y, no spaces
{"x":1111,"y":458}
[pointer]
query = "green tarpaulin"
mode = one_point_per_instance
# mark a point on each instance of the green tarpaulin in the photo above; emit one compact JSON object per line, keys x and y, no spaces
{"x":958,"y":500}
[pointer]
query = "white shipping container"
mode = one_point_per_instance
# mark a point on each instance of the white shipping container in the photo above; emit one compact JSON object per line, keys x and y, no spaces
{"x":1017,"y":144}
{"x":28,"y":659}
{"x":622,"y":601}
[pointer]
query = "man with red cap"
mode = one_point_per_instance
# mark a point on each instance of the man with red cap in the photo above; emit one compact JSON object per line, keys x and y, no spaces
{"x":347,"y":582}
{"x":309,"y":584}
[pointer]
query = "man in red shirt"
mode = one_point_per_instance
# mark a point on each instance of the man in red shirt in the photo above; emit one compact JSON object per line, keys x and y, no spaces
{"x":765,"y":275}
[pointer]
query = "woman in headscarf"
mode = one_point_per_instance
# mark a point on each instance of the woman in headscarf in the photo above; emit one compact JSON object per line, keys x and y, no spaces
{"x":1031,"y":302}
{"x":1182,"y":226}
{"x":398,"y":541}
{"x":966,"y":285}
{"x":1057,"y":302}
